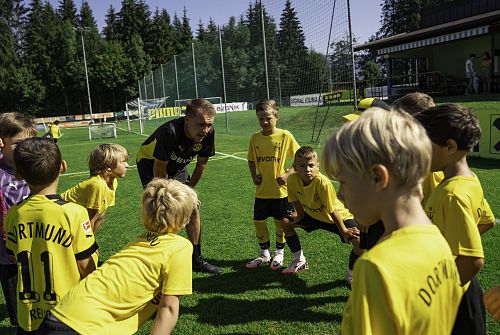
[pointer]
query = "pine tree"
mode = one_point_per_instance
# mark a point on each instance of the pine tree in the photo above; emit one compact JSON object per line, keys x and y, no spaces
{"x":67,"y":11}
{"x":161,"y":38}
{"x":292,"y":51}
{"x":110,"y":31}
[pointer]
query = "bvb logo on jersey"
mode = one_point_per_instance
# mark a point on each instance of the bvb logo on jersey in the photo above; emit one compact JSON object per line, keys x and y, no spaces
{"x":316,"y":197}
{"x":197,"y":147}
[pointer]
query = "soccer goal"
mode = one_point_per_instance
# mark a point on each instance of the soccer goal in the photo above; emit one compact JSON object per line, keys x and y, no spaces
{"x":102,"y":130}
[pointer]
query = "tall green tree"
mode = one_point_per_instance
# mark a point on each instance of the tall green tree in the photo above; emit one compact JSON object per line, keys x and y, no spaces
{"x":110,"y":30}
{"x":292,"y":52}
{"x":67,"y":11}
{"x":161,"y":38}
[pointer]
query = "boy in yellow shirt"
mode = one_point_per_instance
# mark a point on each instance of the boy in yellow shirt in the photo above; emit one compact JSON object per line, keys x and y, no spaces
{"x":50,"y":238}
{"x":107,"y":163}
{"x":146,"y":276}
{"x":317,"y":206}
{"x":408,"y":282}
{"x":457,"y":203}
{"x":267,"y":154}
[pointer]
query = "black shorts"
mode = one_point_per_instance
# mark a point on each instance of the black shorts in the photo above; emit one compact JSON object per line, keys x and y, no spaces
{"x":277,"y":208}
{"x":145,"y":169}
{"x":310,"y":224}
{"x":367,"y":240}
{"x":471,"y":315}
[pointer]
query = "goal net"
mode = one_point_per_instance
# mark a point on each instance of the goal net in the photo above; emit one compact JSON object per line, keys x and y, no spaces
{"x":139,"y":111}
{"x":182,"y":103}
{"x":102,"y":130}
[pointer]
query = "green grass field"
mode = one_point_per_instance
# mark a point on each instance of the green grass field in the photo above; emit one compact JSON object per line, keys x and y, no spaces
{"x":256,"y":301}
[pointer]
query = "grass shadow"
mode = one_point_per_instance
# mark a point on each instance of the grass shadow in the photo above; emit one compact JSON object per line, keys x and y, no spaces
{"x":239,"y":280}
{"x":299,"y":309}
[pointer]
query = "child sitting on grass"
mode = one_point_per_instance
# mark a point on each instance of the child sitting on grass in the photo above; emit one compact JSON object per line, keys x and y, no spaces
{"x":267,"y":155}
{"x":145,"y":277}
{"x":107,"y":163}
{"x":408,"y":282}
{"x":317,"y":207}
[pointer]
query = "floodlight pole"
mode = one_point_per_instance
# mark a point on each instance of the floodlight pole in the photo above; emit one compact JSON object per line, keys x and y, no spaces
{"x":223,"y":78}
{"x":162,"y":80}
{"x":153,"y":85}
{"x":279,"y":84}
{"x":176,"y":78}
{"x":194,"y":71}
{"x":81,"y":30}
{"x":355,"y":93}
{"x":264,"y":44}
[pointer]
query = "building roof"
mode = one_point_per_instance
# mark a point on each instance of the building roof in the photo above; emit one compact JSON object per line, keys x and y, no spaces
{"x":449,"y":27}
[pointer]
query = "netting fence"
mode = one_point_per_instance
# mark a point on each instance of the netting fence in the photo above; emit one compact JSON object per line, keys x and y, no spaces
{"x":298,"y":53}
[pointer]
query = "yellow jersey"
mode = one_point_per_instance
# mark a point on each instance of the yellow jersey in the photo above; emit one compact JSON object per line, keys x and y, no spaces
{"x":318,"y":198}
{"x":432,"y":181}
{"x":407,"y":283}
{"x":270,"y":154}
{"x":125,"y":291}
{"x":47,"y":235}
{"x":55,"y":131}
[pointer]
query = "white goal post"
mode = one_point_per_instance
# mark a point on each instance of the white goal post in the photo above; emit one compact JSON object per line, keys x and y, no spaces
{"x":102,"y":130}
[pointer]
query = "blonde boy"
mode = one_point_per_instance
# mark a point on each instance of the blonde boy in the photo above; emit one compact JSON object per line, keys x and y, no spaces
{"x":317,"y":206}
{"x":145,"y":277}
{"x":267,"y":155}
{"x":408,"y":282}
{"x":457,"y":203}
{"x":51,"y":239}
{"x":107,"y":163}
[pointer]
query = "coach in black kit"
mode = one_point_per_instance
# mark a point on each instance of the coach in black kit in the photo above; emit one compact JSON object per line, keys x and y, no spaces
{"x":170,"y":148}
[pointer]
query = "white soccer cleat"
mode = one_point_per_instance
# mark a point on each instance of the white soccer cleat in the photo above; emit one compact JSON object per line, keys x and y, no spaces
{"x":258,"y":261}
{"x":297,"y":265}
{"x":277,"y":262}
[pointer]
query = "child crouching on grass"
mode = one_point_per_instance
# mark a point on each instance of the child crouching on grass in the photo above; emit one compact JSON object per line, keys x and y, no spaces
{"x":107,"y":163}
{"x":408,"y":282}
{"x":317,"y":206}
{"x":145,"y":277}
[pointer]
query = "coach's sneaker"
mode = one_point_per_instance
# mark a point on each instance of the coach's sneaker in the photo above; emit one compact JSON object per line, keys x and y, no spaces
{"x":262,"y":259}
{"x":348,"y":278}
{"x":277,"y":262}
{"x":297,"y":265}
{"x":199,"y":264}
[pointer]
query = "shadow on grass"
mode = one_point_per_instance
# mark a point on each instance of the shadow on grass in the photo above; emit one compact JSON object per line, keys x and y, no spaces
{"x":483,"y":163}
{"x":221,"y":311}
{"x":241,"y":280}
{"x":5,"y":327}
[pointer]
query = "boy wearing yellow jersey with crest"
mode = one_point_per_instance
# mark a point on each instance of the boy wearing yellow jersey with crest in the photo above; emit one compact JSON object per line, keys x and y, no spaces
{"x":457,"y":203}
{"x":267,"y":154}
{"x":51,"y":239}
{"x":107,"y":163}
{"x":146,"y":276}
{"x":315,"y":200}
{"x":408,"y":282}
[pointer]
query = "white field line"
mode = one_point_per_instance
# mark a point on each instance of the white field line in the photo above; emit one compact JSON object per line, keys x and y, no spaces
{"x":224,"y":156}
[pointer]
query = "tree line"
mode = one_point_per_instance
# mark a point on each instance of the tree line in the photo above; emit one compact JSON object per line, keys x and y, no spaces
{"x":42,"y":67}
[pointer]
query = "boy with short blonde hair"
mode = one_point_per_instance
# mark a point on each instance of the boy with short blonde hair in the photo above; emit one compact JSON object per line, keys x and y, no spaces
{"x":158,"y":264}
{"x":457,"y":203}
{"x":267,"y":154}
{"x":317,"y":206}
{"x":51,"y":239}
{"x":379,"y":160}
{"x":14,"y":127}
{"x":107,"y":163}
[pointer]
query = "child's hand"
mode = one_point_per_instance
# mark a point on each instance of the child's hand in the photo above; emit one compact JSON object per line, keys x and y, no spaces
{"x":351,"y":234}
{"x":492,"y":302}
{"x":281,"y":180}
{"x":257,"y":179}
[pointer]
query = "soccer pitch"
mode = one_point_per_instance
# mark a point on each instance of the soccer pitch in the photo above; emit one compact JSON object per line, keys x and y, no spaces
{"x":242,"y":301}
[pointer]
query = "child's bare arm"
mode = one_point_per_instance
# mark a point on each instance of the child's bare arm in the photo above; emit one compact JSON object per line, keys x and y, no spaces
{"x":86,"y":266}
{"x":257,"y":178}
{"x":281,"y":179}
{"x":484,"y":227}
{"x":166,"y":316}
{"x":492,"y":302}
{"x":468,"y":267}
{"x":347,"y":233}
